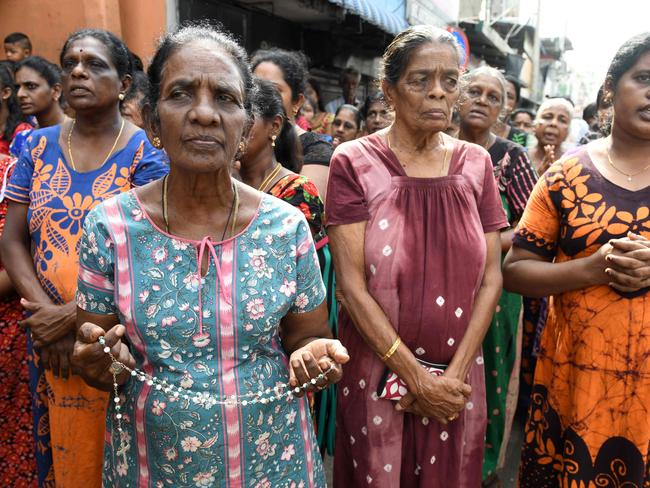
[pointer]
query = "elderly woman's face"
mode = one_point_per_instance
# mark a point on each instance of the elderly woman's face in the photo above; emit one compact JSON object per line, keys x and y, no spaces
{"x":552,"y":125}
{"x":425,"y":94}
{"x":201,"y":107}
{"x":481,"y":102}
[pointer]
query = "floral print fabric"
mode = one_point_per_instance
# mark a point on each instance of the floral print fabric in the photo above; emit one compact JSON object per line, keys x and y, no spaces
{"x":216,"y":334}
{"x":17,"y":456}
{"x":588,"y":422}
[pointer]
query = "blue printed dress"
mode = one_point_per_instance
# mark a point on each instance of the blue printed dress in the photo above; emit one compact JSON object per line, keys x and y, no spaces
{"x":218,"y":334}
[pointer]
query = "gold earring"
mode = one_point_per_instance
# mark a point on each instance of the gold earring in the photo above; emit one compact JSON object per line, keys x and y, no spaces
{"x":156,"y":142}
{"x":273,"y":138}
{"x":121,"y":96}
{"x":242,"y":147}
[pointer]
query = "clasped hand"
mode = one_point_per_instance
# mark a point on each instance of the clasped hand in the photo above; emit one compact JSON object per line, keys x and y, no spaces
{"x":627,"y":263}
{"x":439,"y":397}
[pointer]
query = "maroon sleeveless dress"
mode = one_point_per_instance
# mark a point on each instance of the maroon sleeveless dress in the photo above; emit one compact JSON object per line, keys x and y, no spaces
{"x":424,"y":258}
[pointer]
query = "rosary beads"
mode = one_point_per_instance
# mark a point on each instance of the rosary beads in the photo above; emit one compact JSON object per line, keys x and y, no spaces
{"x":205,"y":399}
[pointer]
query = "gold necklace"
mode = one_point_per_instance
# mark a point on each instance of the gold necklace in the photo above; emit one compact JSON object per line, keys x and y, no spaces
{"x":109,"y":152}
{"x":444,"y":160}
{"x":629,"y":175}
{"x":234,"y":205}
{"x":269,"y":179}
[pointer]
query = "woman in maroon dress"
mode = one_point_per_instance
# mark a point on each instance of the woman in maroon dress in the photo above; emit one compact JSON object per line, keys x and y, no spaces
{"x":414,"y":221}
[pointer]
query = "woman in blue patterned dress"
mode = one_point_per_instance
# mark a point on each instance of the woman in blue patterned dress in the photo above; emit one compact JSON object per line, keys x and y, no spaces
{"x":217,"y":291}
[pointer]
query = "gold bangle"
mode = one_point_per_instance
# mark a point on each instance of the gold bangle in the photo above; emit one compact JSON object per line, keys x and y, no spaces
{"x":392,"y":349}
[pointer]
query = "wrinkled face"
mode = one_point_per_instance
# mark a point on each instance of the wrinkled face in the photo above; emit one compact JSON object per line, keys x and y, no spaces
{"x":552,"y":125}
{"x":34,"y":94}
{"x":16,"y":52}
{"x":349,"y":87}
{"x":272,"y":72}
{"x":511,"y":98}
{"x":631,"y":102}
{"x":425,"y":94}
{"x":481,"y":102}
{"x":130,"y":110}
{"x":90,"y":79}
{"x":379,"y":117}
{"x":201,"y":114}
{"x":344,"y":127}
{"x":524,"y":122}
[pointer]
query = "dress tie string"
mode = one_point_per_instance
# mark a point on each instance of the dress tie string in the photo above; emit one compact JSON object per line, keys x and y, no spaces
{"x":206,"y":243}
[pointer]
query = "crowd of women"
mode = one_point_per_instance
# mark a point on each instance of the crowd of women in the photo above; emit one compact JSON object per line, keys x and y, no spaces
{"x":210,"y":280}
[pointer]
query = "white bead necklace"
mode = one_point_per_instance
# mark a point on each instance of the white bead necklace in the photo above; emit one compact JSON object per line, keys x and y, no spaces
{"x":174,"y":392}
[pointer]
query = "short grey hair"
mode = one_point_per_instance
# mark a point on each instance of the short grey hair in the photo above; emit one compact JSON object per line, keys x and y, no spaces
{"x":470,"y":76}
{"x":398,"y":54}
{"x":553,"y":102}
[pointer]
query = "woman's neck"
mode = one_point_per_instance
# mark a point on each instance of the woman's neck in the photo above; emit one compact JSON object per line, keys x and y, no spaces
{"x":480,"y":136}
{"x":255,"y":170}
{"x":630,"y":150}
{"x":193,"y":193}
{"x":413,"y":141}
{"x":93,"y":123}
{"x":53,"y":115}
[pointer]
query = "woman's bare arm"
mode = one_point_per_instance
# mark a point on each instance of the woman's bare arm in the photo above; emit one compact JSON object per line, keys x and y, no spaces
{"x":531,"y":275}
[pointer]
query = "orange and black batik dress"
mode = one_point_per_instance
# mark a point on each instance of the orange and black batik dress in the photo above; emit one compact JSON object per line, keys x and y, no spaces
{"x":589,"y":422}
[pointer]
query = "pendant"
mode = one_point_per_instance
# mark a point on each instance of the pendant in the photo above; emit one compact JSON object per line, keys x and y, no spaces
{"x":629,"y":178}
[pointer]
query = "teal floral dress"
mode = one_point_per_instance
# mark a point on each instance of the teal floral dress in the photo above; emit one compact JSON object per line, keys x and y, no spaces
{"x":216,"y":334}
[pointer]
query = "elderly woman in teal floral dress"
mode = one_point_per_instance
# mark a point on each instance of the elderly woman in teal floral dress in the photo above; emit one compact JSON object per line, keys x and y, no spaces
{"x":219,"y":296}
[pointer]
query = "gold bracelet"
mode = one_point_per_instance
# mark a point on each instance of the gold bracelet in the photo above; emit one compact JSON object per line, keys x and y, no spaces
{"x":392,"y":349}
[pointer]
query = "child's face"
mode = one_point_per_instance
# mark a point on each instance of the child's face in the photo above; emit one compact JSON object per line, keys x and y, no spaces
{"x":16,"y":52}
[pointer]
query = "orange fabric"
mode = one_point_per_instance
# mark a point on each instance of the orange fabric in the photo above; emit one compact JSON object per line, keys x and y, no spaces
{"x":590,"y":406}
{"x":77,"y":447}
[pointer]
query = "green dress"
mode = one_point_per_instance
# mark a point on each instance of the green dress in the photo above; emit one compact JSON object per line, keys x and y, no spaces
{"x":501,"y":346}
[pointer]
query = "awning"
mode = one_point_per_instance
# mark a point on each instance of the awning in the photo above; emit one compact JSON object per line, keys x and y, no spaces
{"x":378,"y":15}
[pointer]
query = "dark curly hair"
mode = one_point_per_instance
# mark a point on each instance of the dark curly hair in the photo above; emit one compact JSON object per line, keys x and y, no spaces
{"x":187,"y":33}
{"x":50,"y":72}
{"x":15,"y":116}
{"x":292,"y":64}
{"x":118,"y":51}
{"x":267,"y":103}
{"x":626,"y":57}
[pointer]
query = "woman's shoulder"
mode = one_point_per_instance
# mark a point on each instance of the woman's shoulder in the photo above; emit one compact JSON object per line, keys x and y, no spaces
{"x":370,"y":145}
{"x":469,"y":150}
{"x":294,"y":182}
{"x":274,"y":210}
{"x":45,"y":138}
{"x":120,"y":207}
{"x":51,"y":134}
